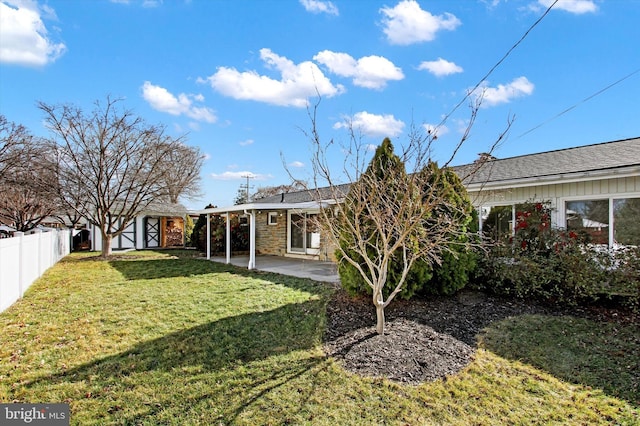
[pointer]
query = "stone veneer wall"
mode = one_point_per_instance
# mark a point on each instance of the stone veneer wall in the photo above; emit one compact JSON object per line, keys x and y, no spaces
{"x":271,"y":239}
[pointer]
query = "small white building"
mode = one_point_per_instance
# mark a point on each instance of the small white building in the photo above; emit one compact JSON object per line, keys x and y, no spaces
{"x":158,"y":226}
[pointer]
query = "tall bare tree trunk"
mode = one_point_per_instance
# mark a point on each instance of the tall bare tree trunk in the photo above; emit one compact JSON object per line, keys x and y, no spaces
{"x":106,"y":244}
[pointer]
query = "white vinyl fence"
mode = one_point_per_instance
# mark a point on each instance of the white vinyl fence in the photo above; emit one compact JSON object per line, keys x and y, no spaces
{"x":24,"y":258}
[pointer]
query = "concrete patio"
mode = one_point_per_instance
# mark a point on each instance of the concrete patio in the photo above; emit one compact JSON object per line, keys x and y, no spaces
{"x":302,"y":268}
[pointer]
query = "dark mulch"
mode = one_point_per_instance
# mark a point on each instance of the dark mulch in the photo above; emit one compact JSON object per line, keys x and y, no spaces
{"x":426,"y":338}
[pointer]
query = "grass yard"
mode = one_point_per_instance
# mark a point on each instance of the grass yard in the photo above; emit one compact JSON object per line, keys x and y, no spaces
{"x":163,"y":338}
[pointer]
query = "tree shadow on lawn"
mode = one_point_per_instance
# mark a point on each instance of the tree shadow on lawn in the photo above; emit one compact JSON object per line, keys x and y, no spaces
{"x":599,"y":354}
{"x":149,"y":269}
{"x":141,"y":269}
{"x":158,"y":370}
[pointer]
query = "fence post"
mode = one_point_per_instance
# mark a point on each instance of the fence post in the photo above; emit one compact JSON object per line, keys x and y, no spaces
{"x":19,"y":235}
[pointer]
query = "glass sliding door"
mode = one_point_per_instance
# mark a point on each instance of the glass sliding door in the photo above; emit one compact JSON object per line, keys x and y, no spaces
{"x":304,"y":235}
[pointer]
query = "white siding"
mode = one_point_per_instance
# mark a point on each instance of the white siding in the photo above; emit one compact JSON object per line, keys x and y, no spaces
{"x":605,"y":187}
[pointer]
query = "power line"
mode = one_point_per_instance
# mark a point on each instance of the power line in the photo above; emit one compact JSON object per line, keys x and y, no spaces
{"x":469,"y":93}
{"x":588,"y":98}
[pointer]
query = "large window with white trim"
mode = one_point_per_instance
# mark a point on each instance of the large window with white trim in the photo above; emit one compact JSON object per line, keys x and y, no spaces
{"x":304,"y":235}
{"x":589,"y":219}
{"x":609,"y":221}
{"x":606,"y":221}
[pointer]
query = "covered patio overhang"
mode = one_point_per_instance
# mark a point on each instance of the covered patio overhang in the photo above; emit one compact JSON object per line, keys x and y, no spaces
{"x":250,"y":210}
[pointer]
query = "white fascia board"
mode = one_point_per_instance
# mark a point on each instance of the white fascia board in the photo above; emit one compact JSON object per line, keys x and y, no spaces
{"x":261,"y":206}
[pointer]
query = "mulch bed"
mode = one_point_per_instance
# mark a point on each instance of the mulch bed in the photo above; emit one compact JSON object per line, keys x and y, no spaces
{"x":425,"y":338}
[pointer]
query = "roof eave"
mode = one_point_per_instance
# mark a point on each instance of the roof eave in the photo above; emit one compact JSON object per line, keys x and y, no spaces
{"x":264,"y":206}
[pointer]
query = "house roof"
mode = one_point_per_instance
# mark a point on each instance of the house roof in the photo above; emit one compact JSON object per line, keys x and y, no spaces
{"x":579,"y":162}
{"x":324,"y":193}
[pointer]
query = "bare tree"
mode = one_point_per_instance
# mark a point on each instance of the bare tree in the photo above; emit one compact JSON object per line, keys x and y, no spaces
{"x":26,"y":178}
{"x":182,"y":174}
{"x":389,"y":214}
{"x":111,"y":165}
{"x":268,"y":191}
{"x":15,"y":146}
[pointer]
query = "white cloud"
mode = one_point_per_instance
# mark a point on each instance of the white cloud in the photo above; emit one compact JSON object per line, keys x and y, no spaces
{"x":162,"y":100}
{"x":435,"y":130}
{"x":504,"y":93}
{"x":239,"y":176}
{"x":24,"y":39}
{"x":407,"y":23}
{"x":151,"y":3}
{"x":573,"y":6}
{"x":297,"y":82}
{"x":318,"y":6}
{"x":372,"y":124}
{"x":297,"y":164}
{"x":440,"y":67}
{"x":371,"y":72}
{"x":246,"y":142}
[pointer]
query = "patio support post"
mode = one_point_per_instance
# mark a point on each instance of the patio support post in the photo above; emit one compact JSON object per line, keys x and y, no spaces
{"x":208,"y":237}
{"x":228,"y":238}
{"x":252,"y":239}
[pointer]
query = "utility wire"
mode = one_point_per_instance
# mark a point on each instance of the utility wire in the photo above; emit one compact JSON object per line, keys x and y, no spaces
{"x":469,"y":93}
{"x":588,"y":98}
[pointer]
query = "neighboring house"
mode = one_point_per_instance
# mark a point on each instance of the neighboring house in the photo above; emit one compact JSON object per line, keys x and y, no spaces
{"x":6,"y":231}
{"x":593,"y":189}
{"x":158,"y":226}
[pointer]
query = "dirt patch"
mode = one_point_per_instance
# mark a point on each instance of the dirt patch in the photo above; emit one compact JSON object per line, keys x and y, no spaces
{"x":426,"y":338}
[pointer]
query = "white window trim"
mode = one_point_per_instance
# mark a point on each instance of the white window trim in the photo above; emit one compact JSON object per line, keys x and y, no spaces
{"x":272,"y":218}
{"x":301,"y":211}
{"x":562,"y":208}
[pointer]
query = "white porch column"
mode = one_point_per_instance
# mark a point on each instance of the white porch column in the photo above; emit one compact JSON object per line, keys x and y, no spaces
{"x":252,"y":239}
{"x":228,"y":238}
{"x":208,"y":238}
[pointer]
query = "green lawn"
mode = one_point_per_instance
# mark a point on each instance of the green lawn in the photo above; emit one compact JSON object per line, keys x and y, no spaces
{"x":163,"y":338}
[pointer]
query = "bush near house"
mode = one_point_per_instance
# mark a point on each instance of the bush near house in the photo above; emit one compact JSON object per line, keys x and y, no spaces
{"x":557,"y":266}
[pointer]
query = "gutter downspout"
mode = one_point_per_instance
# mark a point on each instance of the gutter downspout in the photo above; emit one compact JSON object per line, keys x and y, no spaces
{"x":252,"y":239}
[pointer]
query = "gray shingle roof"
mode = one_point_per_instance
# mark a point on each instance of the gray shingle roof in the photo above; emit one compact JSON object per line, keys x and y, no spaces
{"x":589,"y":158}
{"x":598,"y":157}
{"x":304,"y":196}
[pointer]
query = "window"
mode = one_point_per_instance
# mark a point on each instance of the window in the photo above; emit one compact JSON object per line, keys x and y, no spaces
{"x":304,"y":235}
{"x":626,"y":221}
{"x":272,"y":218}
{"x":497,"y":222}
{"x":589,"y":219}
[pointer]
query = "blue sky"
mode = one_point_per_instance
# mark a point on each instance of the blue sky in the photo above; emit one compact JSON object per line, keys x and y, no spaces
{"x":236,"y":76}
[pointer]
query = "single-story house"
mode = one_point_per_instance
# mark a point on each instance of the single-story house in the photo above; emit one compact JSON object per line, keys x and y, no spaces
{"x":593,"y":188}
{"x":158,"y":226}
